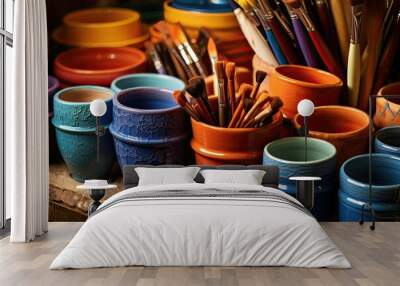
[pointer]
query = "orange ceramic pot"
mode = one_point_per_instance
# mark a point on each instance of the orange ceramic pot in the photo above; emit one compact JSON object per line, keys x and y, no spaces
{"x":101,"y":27}
{"x":98,"y":66}
{"x":243,"y":75}
{"x":383,"y":116}
{"x":293,"y":83}
{"x":218,"y":146}
{"x":345,"y":127}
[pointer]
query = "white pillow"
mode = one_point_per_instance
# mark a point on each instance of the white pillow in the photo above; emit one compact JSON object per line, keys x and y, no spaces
{"x":166,"y":176}
{"x":248,"y":177}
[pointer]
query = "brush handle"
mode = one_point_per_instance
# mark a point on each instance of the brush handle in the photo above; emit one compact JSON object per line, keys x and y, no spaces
{"x":221,"y":103}
{"x":304,"y":44}
{"x":325,"y":54}
{"x":388,"y":56}
{"x":341,"y":27}
{"x":254,"y":38}
{"x":284,"y":41}
{"x":275,"y":47}
{"x":231,"y":96}
{"x":327,"y":25}
{"x":354,"y":74}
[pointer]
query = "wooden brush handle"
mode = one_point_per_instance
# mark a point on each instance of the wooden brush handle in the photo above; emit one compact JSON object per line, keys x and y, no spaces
{"x":231,"y":96}
{"x":284,"y":42}
{"x":341,"y":27}
{"x":236,"y":114}
{"x":325,"y":54}
{"x":304,"y":43}
{"x":354,"y":74}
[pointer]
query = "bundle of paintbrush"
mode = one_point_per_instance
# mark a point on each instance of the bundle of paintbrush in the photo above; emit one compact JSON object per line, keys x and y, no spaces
{"x":248,"y":108}
{"x":177,"y":54}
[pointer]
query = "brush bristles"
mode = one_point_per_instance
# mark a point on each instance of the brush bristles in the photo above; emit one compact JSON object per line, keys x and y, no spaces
{"x":230,"y":70}
{"x":260,"y":76}
{"x":194,"y":90}
{"x":212,"y":48}
{"x":295,"y":4}
{"x":199,"y":82}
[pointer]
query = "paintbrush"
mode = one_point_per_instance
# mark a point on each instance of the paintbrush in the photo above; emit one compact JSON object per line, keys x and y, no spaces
{"x":193,"y":96}
{"x":155,"y":58}
{"x":274,"y":106}
{"x":354,"y":60}
{"x":180,"y":66}
{"x":283,"y":17}
{"x":165,"y":57}
{"x":283,"y":39}
{"x":202,"y":41}
{"x":180,"y":32}
{"x":181,"y":100}
{"x":200,"y":85}
{"x":253,"y":36}
{"x":338,"y":12}
{"x":260,"y":76}
{"x":302,"y":38}
{"x":221,"y":94}
{"x":230,"y":76}
{"x":174,"y":33}
{"x":247,"y":105}
{"x":244,"y":90}
{"x":213,"y":54}
{"x":392,"y":46}
{"x":318,"y":41}
{"x":262,"y":99}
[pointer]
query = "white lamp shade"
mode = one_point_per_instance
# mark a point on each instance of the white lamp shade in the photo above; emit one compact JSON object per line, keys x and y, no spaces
{"x":305,"y":107}
{"x":98,"y":108}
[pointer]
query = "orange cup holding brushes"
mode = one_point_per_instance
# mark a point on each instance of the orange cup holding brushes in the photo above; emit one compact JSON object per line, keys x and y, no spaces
{"x":242,"y":74}
{"x":293,"y":83}
{"x":218,"y":146}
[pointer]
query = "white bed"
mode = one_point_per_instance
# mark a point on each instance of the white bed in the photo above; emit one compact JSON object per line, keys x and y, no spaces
{"x":249,"y":226}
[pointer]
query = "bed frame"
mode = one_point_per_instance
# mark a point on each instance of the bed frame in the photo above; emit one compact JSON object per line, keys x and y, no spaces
{"x":270,"y":179}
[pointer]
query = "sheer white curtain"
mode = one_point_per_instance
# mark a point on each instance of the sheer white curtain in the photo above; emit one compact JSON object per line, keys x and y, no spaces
{"x":27,"y":123}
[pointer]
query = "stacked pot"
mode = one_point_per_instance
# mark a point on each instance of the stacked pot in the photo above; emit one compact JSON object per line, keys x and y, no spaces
{"x":218,"y":18}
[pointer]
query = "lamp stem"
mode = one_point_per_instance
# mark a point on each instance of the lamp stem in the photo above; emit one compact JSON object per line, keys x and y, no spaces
{"x":305,"y":136}
{"x":98,"y":139}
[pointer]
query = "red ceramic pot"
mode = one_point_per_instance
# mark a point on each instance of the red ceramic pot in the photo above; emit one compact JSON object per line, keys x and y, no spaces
{"x":218,"y":146}
{"x":98,"y":66}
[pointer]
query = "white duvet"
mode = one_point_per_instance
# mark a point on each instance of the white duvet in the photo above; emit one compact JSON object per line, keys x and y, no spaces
{"x":200,"y":231}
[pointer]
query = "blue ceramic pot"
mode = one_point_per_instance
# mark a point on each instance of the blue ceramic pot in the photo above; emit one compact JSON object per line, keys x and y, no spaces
{"x":385,"y":177}
{"x":203,"y":6}
{"x":149,"y":127}
{"x":76,"y":132}
{"x":289,"y":155}
{"x":350,"y":209}
{"x":147,"y":80}
{"x":52,"y":87}
{"x":387,"y":141}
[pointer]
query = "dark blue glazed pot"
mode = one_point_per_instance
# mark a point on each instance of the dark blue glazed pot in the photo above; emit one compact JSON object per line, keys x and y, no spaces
{"x":149,"y":127}
{"x":159,"y":81}
{"x":385,"y":178}
{"x":350,"y":209}
{"x":204,"y":6}
{"x":289,"y":155}
{"x":76,"y":132}
{"x":387,"y":141}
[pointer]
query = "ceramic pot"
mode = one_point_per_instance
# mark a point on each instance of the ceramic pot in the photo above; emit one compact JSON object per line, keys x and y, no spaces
{"x":147,"y":80}
{"x":345,"y":127}
{"x":219,"y":146}
{"x":289,"y":155}
{"x":53,"y":85}
{"x":387,"y":111}
{"x":101,"y":27}
{"x":350,"y":209}
{"x":293,"y":83}
{"x":98,"y":66}
{"x":387,"y":141}
{"x":149,"y":127}
{"x":76,"y":132}
{"x":385,"y":178}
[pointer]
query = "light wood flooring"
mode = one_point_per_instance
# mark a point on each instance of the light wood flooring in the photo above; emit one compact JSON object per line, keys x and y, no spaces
{"x":375,"y":257}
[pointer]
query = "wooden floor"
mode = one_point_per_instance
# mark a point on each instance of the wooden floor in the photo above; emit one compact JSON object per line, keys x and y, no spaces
{"x":375,"y":257}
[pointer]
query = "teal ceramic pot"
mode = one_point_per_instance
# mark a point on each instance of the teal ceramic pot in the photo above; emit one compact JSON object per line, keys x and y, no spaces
{"x":350,"y":209}
{"x":76,"y":132}
{"x":289,"y":155}
{"x":149,"y":127}
{"x":387,"y":141}
{"x":354,"y":178}
{"x":52,"y":87}
{"x":147,"y":80}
